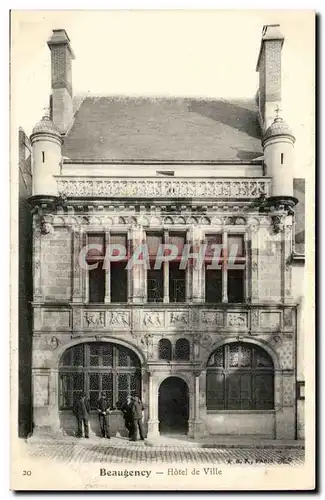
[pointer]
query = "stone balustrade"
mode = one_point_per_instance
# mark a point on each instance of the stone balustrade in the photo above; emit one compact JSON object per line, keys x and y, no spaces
{"x":152,"y":187}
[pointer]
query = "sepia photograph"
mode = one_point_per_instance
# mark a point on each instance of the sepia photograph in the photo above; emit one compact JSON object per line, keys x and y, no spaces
{"x":162,"y":311}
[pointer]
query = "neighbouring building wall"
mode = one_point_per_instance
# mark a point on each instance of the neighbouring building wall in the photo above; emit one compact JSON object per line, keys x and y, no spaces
{"x":25,"y":287}
{"x":299,"y":293}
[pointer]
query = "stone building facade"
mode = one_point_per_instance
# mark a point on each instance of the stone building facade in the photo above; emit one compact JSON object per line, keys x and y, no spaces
{"x":209,"y":351}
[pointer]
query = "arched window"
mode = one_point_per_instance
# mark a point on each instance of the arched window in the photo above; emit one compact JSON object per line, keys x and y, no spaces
{"x":182,"y":349}
{"x":165,"y":349}
{"x":240,"y":377}
{"x":96,"y":367}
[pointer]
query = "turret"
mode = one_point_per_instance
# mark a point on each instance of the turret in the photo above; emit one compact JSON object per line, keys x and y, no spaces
{"x":278,"y":142}
{"x":46,"y":144}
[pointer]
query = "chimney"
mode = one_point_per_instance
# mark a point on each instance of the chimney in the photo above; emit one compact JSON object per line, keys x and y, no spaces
{"x":269,"y":68}
{"x":61,"y":80}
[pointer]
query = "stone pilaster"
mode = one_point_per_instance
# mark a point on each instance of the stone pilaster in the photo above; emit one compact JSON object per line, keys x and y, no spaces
{"x":254,"y":243}
{"x":77,"y":271}
{"x":153,"y":422}
{"x":138,"y":271}
{"x":197,"y":282}
{"x":37,"y":264}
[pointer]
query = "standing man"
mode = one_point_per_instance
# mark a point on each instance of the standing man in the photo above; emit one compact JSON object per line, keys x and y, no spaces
{"x":136,"y":411}
{"x":103,"y":415}
{"x":126,"y":409}
{"x":81,"y":410}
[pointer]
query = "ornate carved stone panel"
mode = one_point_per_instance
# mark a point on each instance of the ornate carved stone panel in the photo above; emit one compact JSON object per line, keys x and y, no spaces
{"x":286,"y":355}
{"x":94,"y":319}
{"x":203,"y":340}
{"x":288,"y":391}
{"x":37,"y":285}
{"x":237,"y":320}
{"x":254,"y":318}
{"x":212,"y":319}
{"x":76,"y":317}
{"x":153,"y":319}
{"x":178,"y":319}
{"x":118,"y":319}
{"x":288,"y":317}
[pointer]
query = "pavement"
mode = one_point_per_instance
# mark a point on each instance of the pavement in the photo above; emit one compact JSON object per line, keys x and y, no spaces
{"x":167,"y":449}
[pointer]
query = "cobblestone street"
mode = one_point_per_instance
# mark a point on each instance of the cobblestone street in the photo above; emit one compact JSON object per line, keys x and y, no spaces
{"x":118,"y":450}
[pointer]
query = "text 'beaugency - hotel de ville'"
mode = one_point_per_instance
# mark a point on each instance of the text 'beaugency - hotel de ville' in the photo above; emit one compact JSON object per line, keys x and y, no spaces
{"x":209,"y":349}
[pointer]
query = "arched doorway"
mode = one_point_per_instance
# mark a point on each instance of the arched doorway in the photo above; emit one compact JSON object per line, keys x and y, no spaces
{"x":173,"y":406}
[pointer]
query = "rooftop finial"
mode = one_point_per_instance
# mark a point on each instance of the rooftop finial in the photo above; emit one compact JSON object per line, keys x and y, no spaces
{"x":277,"y":112}
{"x":46,"y":112}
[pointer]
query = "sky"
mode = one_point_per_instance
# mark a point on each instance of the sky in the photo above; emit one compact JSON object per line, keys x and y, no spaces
{"x":210,"y":53}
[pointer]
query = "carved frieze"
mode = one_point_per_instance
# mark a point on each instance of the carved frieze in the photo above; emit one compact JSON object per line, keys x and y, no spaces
{"x":178,"y":318}
{"x":94,"y":319}
{"x":119,"y":318}
{"x":153,"y":319}
{"x":212,"y":318}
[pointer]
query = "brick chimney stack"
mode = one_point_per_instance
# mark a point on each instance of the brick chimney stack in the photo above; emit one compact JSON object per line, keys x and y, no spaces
{"x":269,"y":68}
{"x":61,"y":78}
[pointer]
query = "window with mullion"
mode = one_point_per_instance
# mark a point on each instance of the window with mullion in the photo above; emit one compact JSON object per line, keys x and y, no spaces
{"x":168,"y":283}
{"x":224,"y":280}
{"x":102,"y":365}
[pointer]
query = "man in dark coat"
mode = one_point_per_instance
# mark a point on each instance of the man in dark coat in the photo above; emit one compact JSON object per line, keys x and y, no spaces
{"x":103,"y":409}
{"x":137,"y":408}
{"x":126,"y":410}
{"x":81,"y":410}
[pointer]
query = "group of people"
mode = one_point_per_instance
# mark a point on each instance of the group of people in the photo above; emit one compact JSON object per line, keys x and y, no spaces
{"x":131,"y":409}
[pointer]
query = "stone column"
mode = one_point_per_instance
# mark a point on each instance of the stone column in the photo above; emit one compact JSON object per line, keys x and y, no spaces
{"x":153,"y":422}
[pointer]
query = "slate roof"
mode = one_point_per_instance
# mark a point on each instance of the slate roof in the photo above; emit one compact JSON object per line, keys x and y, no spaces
{"x":167,"y":129}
